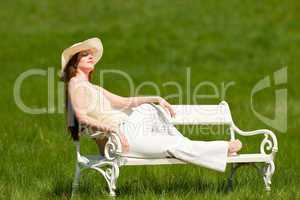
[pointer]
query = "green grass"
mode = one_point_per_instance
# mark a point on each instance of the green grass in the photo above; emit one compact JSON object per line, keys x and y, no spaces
{"x":152,"y":41}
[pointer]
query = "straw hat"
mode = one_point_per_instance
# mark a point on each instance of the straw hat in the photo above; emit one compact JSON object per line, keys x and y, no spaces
{"x":94,"y":44}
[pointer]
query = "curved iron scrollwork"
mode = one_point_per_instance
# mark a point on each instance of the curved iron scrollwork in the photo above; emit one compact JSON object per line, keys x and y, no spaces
{"x":113,"y":146}
{"x":269,"y":144}
{"x":110,"y":174}
{"x":266,"y":146}
{"x":108,"y":167}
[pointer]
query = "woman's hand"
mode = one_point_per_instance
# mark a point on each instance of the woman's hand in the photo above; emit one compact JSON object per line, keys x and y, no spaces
{"x":165,"y":105}
{"x":124,"y":142}
{"x":104,"y":128}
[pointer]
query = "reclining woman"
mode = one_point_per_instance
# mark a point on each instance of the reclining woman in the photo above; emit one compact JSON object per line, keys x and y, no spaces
{"x":144,"y":132}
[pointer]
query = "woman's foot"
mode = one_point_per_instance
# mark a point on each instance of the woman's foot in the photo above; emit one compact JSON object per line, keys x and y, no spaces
{"x":234,"y":147}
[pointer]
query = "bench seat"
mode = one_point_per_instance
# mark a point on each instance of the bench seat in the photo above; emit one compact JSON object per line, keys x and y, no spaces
{"x":240,"y":158}
{"x":220,"y":114}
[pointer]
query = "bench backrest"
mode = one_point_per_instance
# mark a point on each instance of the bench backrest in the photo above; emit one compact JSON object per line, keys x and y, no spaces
{"x":202,"y":114}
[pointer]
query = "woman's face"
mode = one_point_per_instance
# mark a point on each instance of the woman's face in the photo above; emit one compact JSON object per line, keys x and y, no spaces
{"x":86,"y":60}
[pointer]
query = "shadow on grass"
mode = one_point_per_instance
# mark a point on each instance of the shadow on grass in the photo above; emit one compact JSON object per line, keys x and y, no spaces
{"x":179,"y":186}
{"x":91,"y":184}
{"x":173,"y":187}
{"x":136,"y":181}
{"x":62,"y":187}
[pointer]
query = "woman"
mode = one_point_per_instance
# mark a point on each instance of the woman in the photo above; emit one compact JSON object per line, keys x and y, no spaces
{"x":144,"y":132}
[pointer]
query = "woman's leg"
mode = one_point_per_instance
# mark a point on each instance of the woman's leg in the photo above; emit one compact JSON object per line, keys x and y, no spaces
{"x":150,"y":135}
{"x":211,"y":154}
{"x":161,"y":121}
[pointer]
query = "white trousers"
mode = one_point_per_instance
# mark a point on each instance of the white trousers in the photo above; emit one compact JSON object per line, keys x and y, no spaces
{"x":151,"y":136}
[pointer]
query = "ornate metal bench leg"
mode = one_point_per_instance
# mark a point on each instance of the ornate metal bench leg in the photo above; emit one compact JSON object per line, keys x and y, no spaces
{"x":230,"y":178}
{"x":112,"y":175}
{"x":233,"y":170}
{"x":115,"y":175}
{"x":110,"y":179}
{"x":268,"y":171}
{"x":76,"y":180}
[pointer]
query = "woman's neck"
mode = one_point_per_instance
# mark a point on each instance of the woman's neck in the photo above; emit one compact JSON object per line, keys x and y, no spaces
{"x":82,"y":75}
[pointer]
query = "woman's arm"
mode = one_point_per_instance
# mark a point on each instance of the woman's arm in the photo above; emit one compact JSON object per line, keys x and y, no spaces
{"x":129,"y":102}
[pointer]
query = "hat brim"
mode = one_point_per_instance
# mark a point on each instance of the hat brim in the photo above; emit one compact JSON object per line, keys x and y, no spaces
{"x":94,"y":44}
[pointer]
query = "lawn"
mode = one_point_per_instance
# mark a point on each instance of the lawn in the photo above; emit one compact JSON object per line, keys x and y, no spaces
{"x":219,"y":42}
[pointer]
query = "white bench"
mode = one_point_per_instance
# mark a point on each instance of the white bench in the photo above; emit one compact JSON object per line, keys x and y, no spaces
{"x":109,"y":164}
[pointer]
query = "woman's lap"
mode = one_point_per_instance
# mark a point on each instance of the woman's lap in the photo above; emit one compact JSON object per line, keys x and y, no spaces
{"x":147,"y":133}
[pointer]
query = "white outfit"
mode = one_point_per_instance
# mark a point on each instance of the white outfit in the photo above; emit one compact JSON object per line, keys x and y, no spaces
{"x":151,"y":136}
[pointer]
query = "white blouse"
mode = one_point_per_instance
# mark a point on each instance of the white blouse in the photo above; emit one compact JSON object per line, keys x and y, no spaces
{"x":99,"y":107}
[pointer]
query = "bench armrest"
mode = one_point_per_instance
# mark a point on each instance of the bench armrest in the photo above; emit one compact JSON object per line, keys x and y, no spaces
{"x":269,"y":143}
{"x":113,"y":146}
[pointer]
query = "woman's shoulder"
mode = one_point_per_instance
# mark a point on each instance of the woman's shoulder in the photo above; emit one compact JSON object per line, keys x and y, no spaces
{"x":73,"y":81}
{"x":76,"y":82}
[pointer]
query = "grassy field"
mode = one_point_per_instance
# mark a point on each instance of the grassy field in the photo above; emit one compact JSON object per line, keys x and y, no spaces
{"x":219,"y":41}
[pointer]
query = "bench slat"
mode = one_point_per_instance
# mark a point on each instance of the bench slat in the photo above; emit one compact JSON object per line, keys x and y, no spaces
{"x":241,"y":158}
